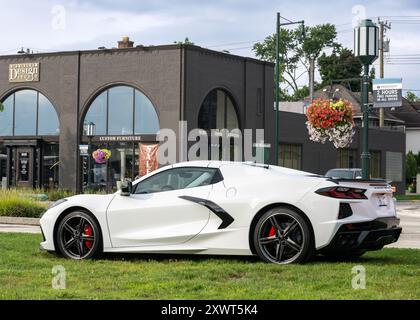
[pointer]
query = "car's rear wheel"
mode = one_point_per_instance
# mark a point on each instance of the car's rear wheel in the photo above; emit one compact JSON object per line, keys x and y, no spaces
{"x":78,"y":236}
{"x":283,"y":236}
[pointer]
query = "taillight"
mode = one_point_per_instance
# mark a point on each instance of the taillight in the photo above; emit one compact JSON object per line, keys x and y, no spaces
{"x":342,"y":193}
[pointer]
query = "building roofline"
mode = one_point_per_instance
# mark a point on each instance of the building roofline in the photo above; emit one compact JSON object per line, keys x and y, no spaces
{"x":135,"y":49}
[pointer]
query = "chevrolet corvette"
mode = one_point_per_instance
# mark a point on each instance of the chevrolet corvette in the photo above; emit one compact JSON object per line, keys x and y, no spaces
{"x":227,"y":208}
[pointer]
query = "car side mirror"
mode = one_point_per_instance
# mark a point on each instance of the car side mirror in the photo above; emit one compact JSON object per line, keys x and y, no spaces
{"x":126,"y":188}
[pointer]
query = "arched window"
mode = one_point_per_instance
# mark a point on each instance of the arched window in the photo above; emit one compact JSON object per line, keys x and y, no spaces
{"x":28,"y":113}
{"x":218,"y":112}
{"x":122,"y":110}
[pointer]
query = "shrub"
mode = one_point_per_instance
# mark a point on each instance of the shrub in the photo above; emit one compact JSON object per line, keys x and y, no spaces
{"x":57,"y":194}
{"x":15,"y":204}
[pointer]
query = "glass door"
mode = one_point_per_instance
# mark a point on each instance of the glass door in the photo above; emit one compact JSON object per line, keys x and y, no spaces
{"x":24,"y":167}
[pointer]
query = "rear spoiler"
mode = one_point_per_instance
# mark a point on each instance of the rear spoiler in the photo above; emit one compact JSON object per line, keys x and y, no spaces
{"x":370,"y":181}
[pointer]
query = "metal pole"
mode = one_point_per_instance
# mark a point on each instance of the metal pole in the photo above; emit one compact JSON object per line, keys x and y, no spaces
{"x":89,"y":163}
{"x":381,"y":68}
{"x":365,"y":153}
{"x":276,"y":145}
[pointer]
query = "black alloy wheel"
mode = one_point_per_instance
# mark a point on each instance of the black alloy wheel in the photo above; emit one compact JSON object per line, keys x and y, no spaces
{"x":78,"y":236}
{"x":283,"y":236}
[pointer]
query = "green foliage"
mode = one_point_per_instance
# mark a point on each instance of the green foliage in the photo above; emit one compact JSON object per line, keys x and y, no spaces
{"x":296,"y":51}
{"x":341,"y":64}
{"x":411,"y":167}
{"x":317,"y":39}
{"x":1,"y":107}
{"x":15,"y":204}
{"x":412,"y":97}
{"x":57,"y":194}
{"x":289,"y":56}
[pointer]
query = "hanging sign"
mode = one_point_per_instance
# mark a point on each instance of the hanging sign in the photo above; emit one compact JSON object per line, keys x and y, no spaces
{"x":387,"y":93}
{"x":148,"y":158}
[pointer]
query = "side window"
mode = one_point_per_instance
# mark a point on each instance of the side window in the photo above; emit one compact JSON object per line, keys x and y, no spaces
{"x":179,"y":178}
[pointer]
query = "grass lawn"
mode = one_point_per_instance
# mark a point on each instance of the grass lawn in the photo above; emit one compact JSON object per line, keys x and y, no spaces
{"x":25,"y":273}
{"x":408,"y":197}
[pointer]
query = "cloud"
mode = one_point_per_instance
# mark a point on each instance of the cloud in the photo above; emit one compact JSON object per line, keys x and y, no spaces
{"x":236,"y":23}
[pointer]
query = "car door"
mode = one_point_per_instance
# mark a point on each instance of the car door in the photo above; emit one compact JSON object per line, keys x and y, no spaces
{"x":156,"y":214}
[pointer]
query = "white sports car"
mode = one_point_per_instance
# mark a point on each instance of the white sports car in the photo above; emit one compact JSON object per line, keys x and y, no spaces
{"x":227,"y":208}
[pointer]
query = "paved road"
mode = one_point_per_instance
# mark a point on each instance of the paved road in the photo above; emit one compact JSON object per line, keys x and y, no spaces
{"x":409,"y":212}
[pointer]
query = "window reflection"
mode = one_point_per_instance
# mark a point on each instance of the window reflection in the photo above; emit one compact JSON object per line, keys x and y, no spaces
{"x":146,"y":119}
{"x":48,"y":124}
{"x":97,"y":114}
{"x":6,"y":118}
{"x":218,"y":112}
{"x":122,"y":110}
{"x":28,"y":107}
{"x":25,"y":112}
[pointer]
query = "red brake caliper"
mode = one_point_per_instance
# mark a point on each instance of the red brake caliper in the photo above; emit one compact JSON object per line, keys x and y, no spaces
{"x":88,"y":232}
{"x":272,"y":232}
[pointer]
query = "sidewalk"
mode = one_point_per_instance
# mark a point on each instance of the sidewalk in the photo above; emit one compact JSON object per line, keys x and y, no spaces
{"x":20,"y":228}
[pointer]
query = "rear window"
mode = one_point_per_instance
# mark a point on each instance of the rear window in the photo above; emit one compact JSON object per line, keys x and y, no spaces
{"x":344,"y":174}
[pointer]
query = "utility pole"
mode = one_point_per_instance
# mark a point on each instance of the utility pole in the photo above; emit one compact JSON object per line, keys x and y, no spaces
{"x":278,"y":25}
{"x":383,"y":26}
{"x":311,"y":79}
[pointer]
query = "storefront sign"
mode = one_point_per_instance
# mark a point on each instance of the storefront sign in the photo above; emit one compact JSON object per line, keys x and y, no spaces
{"x":387,"y":93}
{"x":148,"y":158}
{"x":24,"y":72}
{"x":119,"y":138}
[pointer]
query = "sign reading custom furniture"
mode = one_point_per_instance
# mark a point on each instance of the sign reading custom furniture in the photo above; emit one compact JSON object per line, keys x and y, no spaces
{"x":387,"y":93}
{"x":148,"y":158}
{"x":24,"y":72}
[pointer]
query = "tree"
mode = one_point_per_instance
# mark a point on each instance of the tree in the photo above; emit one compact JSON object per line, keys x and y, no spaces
{"x":411,"y":167}
{"x":317,"y":39}
{"x":289,"y":57}
{"x":186,"y":41}
{"x":412,"y":97}
{"x":296,"y":51}
{"x":341,"y":64}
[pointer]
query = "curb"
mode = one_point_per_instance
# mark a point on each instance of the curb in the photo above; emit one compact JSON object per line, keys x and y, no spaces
{"x":20,"y":221}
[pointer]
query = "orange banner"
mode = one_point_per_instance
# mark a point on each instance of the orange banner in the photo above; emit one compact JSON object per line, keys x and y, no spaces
{"x":148,"y":158}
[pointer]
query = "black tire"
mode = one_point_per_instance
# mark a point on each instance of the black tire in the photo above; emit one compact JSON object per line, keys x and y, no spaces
{"x":78,"y":236}
{"x":290,"y":241}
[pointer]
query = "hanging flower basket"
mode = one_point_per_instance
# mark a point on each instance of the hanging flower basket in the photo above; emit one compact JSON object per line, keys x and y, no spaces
{"x":101,"y":155}
{"x":333,"y":121}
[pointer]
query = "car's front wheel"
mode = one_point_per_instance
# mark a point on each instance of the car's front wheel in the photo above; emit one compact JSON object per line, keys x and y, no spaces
{"x":283,"y":236}
{"x":78,"y":236}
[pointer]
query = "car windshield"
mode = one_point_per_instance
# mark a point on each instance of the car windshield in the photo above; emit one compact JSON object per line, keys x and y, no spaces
{"x":344,"y":174}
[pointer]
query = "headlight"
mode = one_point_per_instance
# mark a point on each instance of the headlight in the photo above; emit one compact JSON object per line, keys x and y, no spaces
{"x":57,"y":203}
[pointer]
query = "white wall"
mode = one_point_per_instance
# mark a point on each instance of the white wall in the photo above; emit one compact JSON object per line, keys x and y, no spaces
{"x":413,"y":140}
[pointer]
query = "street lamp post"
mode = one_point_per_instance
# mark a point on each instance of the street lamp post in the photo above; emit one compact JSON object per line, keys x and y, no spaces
{"x":366,"y":48}
{"x":90,"y":132}
{"x":277,"y":70}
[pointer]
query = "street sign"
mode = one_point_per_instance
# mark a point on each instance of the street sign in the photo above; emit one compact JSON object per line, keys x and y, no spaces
{"x":387,"y":93}
{"x":84,"y":149}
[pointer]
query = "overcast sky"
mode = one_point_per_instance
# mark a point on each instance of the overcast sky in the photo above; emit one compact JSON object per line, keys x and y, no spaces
{"x":232,"y":25}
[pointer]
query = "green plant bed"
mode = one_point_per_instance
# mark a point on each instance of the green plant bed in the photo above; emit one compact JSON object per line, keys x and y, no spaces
{"x":15,"y":204}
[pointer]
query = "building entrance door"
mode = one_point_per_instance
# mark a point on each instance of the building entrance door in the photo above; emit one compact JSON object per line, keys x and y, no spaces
{"x":25,"y":167}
